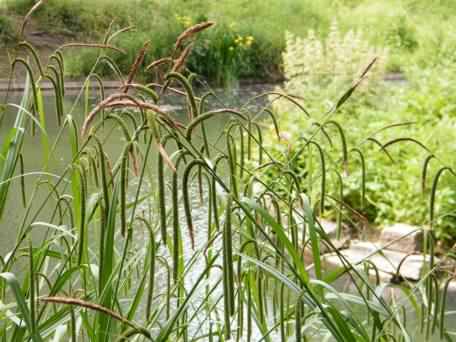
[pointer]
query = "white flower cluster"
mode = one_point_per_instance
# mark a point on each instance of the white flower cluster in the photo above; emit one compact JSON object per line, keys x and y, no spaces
{"x":316,"y":67}
{"x":338,"y":57}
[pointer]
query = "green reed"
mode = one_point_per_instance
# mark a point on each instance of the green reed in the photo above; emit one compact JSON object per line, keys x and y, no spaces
{"x":122,"y":256}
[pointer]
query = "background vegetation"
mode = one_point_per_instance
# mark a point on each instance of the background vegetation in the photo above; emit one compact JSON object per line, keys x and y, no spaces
{"x":415,"y":31}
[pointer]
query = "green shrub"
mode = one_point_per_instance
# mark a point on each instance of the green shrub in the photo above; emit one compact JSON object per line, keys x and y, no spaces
{"x":227,"y":53}
{"x":20,"y":6}
{"x":82,"y":62}
{"x":402,"y":35}
{"x":78,"y":18}
{"x":7,"y":31}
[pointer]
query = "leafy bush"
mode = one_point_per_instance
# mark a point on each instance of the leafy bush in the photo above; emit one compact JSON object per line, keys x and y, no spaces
{"x":77,"y":18}
{"x":7,"y":31}
{"x":20,"y":6}
{"x":402,"y":35}
{"x":131,"y":43}
{"x":227,"y":53}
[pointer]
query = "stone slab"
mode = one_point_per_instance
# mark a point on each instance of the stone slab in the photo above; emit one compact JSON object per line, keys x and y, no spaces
{"x":386,"y":261}
{"x":402,"y":238}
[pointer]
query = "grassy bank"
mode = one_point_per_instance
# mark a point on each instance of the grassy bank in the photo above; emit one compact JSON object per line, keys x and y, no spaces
{"x":414,"y":31}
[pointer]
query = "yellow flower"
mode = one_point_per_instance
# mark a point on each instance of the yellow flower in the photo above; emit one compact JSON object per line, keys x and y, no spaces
{"x":184,"y":20}
{"x":249,"y":41}
{"x":238,"y":40}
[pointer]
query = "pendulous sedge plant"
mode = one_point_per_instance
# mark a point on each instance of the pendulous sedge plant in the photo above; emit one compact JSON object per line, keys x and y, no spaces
{"x":178,"y":238}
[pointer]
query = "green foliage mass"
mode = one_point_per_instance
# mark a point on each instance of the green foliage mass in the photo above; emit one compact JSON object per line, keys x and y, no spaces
{"x":411,"y":30}
{"x":378,"y":113}
{"x":7,"y":33}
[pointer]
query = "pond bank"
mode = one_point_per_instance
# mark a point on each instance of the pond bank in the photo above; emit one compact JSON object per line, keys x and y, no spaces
{"x":18,"y":85}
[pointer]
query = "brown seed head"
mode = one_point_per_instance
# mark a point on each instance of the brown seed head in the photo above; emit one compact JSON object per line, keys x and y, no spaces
{"x":159,"y":62}
{"x":191,"y":31}
{"x":180,"y":61}
{"x":135,"y":67}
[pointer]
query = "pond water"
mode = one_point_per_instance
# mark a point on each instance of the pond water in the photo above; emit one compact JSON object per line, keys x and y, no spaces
{"x":73,"y":105}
